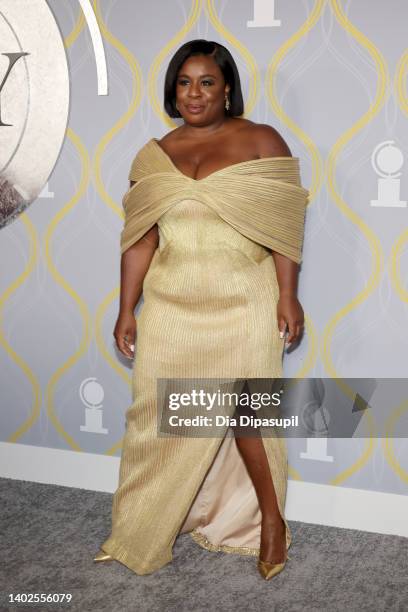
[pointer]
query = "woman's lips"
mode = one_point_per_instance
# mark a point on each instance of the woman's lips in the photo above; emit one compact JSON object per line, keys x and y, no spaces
{"x":194,"y":109}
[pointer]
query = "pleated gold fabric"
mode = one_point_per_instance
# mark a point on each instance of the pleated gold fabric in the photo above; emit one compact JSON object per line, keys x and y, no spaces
{"x":209,"y":311}
{"x":261,"y":198}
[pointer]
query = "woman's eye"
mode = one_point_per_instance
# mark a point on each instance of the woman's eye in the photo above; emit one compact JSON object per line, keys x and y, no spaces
{"x":184,"y":81}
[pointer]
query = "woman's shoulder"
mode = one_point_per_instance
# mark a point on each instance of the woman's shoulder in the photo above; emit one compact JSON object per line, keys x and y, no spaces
{"x":266,"y":139}
{"x":171,"y":136}
{"x":270,"y":143}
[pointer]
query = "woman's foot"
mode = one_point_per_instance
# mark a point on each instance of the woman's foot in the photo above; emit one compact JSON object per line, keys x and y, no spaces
{"x":269,"y":570}
{"x":273,"y":540}
{"x":273,"y":551}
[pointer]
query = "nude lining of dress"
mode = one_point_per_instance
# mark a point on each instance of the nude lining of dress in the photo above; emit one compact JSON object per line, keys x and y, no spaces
{"x":225,"y":514}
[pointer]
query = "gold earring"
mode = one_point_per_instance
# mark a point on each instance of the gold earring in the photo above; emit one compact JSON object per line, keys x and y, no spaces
{"x":227,"y":103}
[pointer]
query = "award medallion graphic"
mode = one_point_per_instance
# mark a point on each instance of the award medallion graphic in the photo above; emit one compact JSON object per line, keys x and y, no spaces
{"x":34,"y":102}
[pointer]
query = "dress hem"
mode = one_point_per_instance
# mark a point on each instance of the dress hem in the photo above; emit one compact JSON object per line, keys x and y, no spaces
{"x":238,"y":550}
{"x":119,"y":552}
{"x":204,"y":542}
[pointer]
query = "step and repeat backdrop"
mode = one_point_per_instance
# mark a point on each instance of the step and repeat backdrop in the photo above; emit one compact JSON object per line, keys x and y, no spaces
{"x":81,"y":91}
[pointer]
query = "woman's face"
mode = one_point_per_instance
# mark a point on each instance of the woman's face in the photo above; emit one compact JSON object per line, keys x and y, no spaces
{"x":201,"y":90}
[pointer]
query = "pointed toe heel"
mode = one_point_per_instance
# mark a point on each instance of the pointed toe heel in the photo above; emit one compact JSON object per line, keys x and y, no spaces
{"x":268,"y":570}
{"x":102,"y":556}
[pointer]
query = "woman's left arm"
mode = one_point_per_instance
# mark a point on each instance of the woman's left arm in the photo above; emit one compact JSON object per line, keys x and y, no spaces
{"x":289,"y":310}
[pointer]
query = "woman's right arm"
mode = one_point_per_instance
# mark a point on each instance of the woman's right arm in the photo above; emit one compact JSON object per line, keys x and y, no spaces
{"x":135,"y":262}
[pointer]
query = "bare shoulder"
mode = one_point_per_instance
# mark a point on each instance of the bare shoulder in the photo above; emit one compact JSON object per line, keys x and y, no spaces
{"x":269,"y":142}
{"x":171,"y":136}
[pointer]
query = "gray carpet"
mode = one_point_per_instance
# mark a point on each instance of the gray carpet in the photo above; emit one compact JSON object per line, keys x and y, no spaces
{"x":49,"y":534}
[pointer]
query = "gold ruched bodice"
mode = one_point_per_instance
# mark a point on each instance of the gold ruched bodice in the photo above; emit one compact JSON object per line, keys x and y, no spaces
{"x":209,"y":312}
{"x":261,"y":198}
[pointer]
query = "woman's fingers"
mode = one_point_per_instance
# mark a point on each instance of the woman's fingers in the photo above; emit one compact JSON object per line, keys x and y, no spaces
{"x":291,"y":335}
{"x":125,"y":333}
{"x":295,"y":330}
{"x":282,"y":329}
{"x":126,"y":343}
{"x":129,"y":347}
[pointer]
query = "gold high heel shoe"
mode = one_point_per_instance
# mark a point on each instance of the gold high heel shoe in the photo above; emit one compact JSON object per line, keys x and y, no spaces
{"x":268,"y":570}
{"x":102,"y":556}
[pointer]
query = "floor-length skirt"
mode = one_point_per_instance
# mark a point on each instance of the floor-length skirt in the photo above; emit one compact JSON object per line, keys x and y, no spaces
{"x":209,"y":312}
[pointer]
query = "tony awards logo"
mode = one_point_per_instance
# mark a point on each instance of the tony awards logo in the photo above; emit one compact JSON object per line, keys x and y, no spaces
{"x":91,"y":394}
{"x":387,"y":161}
{"x":34,"y":102}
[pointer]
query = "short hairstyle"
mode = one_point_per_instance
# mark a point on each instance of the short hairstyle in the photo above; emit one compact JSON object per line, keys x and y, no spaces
{"x":227,"y":66}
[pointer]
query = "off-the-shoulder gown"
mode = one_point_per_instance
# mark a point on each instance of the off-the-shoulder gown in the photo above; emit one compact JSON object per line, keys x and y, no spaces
{"x":209,"y":311}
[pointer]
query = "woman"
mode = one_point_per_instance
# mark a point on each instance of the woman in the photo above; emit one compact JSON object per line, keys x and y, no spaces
{"x":213,"y":234}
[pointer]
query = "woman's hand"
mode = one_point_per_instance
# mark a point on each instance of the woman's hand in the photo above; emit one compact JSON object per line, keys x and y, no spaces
{"x":125,"y":333}
{"x":290,"y":313}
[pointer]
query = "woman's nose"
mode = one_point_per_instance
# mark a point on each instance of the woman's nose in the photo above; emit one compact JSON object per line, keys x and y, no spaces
{"x":194,"y":89}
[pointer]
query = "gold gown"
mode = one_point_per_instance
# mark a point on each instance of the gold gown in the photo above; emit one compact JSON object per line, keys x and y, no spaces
{"x":209,"y":311}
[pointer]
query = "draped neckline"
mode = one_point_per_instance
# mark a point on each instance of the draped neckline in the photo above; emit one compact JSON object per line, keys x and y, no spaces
{"x":256,"y":161}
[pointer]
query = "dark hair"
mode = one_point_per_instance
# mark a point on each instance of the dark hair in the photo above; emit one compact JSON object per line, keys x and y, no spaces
{"x":227,"y":66}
